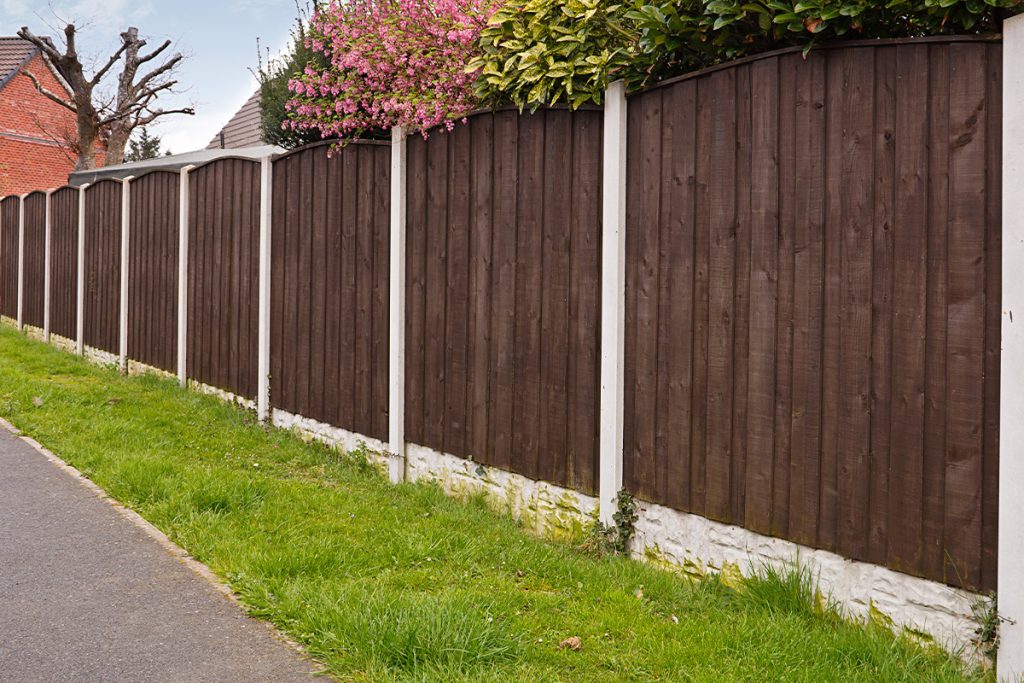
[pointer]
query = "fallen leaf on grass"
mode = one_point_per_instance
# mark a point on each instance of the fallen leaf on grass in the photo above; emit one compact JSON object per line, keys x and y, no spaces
{"x":571,"y":643}
{"x":37,"y":402}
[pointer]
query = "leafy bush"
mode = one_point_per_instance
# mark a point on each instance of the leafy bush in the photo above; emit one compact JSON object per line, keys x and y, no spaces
{"x":388,"y":63}
{"x":546,"y":51}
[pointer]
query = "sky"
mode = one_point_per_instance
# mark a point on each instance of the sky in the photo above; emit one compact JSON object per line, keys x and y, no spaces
{"x":217,"y":37}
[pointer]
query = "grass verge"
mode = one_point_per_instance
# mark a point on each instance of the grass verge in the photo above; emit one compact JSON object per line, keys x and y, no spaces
{"x":384,"y":582}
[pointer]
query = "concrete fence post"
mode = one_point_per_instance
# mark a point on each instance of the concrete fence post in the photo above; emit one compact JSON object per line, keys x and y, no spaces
{"x":183,"y":274}
{"x":263,"y":362}
{"x":80,"y":279}
{"x":126,"y":205}
{"x":46,"y":269}
{"x":396,"y":310}
{"x":1011,"y":380}
{"x":21,"y":262}
{"x":613,"y":297}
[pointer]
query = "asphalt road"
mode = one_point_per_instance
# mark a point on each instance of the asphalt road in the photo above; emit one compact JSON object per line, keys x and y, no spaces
{"x":86,"y":595}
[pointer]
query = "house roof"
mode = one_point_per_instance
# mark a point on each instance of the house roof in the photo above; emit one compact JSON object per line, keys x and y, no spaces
{"x":243,"y":129}
{"x":14,"y":53}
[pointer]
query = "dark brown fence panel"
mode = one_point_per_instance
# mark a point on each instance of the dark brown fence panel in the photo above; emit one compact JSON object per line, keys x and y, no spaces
{"x":10,"y":208}
{"x":103,"y":265}
{"x":503,"y":292}
{"x":153,"y":270}
{"x":813,"y":301}
{"x":223,"y":275}
{"x":34,"y":267}
{"x":64,"y":262}
{"x":329,"y":292}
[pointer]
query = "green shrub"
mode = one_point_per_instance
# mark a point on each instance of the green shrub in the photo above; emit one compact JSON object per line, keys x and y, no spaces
{"x":547,"y":51}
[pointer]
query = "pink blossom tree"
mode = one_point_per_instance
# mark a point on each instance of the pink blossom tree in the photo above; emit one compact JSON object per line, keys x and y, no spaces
{"x":389,"y":63}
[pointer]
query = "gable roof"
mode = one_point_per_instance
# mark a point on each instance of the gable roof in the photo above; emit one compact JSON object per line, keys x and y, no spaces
{"x":243,"y":129}
{"x":14,"y":53}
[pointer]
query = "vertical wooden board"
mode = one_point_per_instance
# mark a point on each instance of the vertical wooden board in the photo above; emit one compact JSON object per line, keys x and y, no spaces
{"x":415,"y":273}
{"x":643,"y":291}
{"x":764,"y":230}
{"x":789,"y":141}
{"x":934,"y":470}
{"x":481,"y":200}
{"x":699,"y":385}
{"x":584,"y":302}
{"x":293,"y":296}
{"x":333,"y":328}
{"x":993,"y":318}
{"x":381,"y":286}
{"x":301,"y":234}
{"x":675,"y":299}
{"x":317,"y":332}
{"x":808,"y":207}
{"x":250,"y":279}
{"x":966,"y":322}
{"x":526,"y":395}
{"x":721,"y":278}
{"x":436,"y":270}
{"x":831,"y":385}
{"x":741,"y":292}
{"x":363,"y":245}
{"x":558,"y":164}
{"x":883,"y":265}
{"x":855,"y":327}
{"x":278,"y":282}
{"x":503,"y":309}
{"x":456,"y":291}
{"x":278,"y":243}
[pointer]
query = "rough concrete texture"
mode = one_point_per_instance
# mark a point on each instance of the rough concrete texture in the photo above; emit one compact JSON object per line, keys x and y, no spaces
{"x":87,"y":595}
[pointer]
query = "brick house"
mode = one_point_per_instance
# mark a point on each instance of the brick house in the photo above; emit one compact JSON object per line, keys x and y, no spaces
{"x":34,"y":132}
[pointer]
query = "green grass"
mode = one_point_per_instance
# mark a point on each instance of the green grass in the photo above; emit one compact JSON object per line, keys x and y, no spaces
{"x":384,"y":582}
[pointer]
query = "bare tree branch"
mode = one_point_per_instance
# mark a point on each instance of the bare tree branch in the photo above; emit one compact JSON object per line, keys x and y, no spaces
{"x":153,"y":115}
{"x":46,"y":93}
{"x":155,"y":53}
{"x":106,"y":67}
{"x":42,"y":44}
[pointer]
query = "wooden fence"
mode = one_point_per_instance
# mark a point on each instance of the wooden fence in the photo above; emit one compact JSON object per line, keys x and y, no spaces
{"x":812,"y":294}
{"x":503,"y":284}
{"x":223,"y":272}
{"x":153,"y":271}
{"x":34,"y":259}
{"x":813,"y":301}
{"x":329,"y":301}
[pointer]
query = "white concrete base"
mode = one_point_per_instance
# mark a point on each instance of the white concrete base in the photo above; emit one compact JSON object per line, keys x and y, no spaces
{"x":222,"y":394}
{"x":101,"y":357}
{"x":337,"y":437}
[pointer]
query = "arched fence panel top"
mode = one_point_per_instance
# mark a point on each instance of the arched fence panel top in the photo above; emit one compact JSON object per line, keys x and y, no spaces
{"x":64,"y":190}
{"x":328,"y":144}
{"x":213,"y":164}
{"x":817,"y":50}
{"x":813,"y":300}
